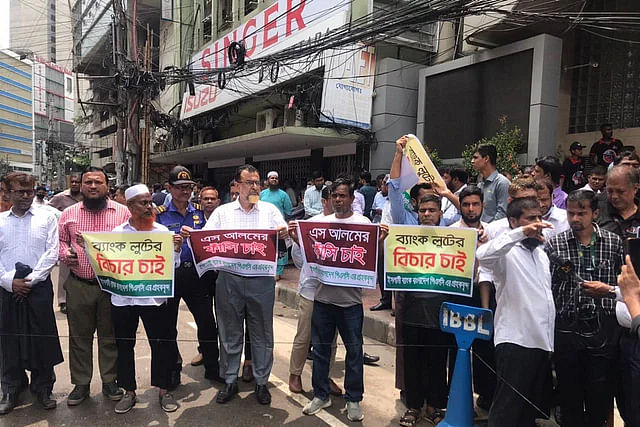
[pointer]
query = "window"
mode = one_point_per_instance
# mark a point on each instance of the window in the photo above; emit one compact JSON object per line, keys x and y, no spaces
{"x":206,"y":21}
{"x":250,"y":6}
{"x":68,"y":85}
{"x":225,"y":14}
{"x":53,"y":51}
{"x":53,"y":18}
{"x":53,"y":28}
{"x":53,"y":6}
{"x":53,"y":39}
{"x":609,"y":92}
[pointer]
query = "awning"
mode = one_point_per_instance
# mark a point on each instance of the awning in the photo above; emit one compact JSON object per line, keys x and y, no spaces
{"x":281,"y":139}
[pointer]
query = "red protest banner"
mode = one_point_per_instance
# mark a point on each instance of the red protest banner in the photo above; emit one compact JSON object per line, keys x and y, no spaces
{"x":340,"y":254}
{"x":246,"y":253}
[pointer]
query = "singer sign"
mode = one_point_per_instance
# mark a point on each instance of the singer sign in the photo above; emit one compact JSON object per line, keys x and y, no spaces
{"x":283,"y":24}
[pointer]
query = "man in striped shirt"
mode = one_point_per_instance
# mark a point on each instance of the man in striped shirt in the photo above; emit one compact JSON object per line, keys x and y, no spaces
{"x":88,"y":307}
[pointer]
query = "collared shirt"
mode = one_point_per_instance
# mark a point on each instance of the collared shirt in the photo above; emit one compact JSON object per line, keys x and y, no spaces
{"x":559,"y":198}
{"x":31,"y":239}
{"x":120,"y":301}
{"x":525,"y":312}
{"x":601,"y":261}
{"x":379,"y":201}
{"x":279,"y":199}
{"x":450,"y":213}
{"x":232,"y":216}
{"x":174,"y":220}
{"x":587,"y":187}
{"x":307,"y":285}
{"x":76,"y":219}
{"x":62,"y":201}
{"x":483,"y":225}
{"x":495,"y":190}
{"x":358,"y":202}
{"x":558,"y":218}
{"x":313,"y":201}
{"x":610,"y":219}
{"x":369,"y":193}
{"x":399,"y":213}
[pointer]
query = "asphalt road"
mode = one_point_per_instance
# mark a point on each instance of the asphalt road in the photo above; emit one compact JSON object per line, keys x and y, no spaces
{"x":196,"y":395}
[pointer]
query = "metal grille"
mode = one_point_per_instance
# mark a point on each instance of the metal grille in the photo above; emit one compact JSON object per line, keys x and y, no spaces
{"x":610,"y":92}
{"x":293,"y":170}
{"x":341,"y":165}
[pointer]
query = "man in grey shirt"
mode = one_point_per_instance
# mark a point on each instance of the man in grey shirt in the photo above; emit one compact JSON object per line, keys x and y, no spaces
{"x":494,"y":185}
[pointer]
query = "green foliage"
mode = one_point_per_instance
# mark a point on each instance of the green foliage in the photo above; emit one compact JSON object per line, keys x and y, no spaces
{"x":507,"y":141}
{"x":5,"y":168}
{"x":81,"y":161}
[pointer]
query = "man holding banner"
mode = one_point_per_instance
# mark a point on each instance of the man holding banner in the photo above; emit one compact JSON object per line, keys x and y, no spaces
{"x":154,"y":312}
{"x":338,"y":299}
{"x":239,"y":296}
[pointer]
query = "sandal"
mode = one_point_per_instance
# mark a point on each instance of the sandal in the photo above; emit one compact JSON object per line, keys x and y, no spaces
{"x":410,"y":418}
{"x":435,"y":417}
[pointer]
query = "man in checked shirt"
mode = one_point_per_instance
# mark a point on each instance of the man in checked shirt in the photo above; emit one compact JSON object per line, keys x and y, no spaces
{"x":585,"y":261}
{"x":88,"y":307}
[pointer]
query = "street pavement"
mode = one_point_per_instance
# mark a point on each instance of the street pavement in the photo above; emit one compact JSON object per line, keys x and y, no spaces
{"x":196,"y":395}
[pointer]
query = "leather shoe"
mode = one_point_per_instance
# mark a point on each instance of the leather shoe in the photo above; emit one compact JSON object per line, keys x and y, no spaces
{"x":214,"y":376}
{"x":247,"y":373}
{"x":7,"y":403}
{"x":227,"y":393}
{"x":381,"y":306}
{"x":44,"y":397}
{"x":370,"y":360}
{"x":262,"y":394}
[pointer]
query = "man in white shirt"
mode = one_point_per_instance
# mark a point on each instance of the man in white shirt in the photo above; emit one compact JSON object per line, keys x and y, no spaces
{"x":358,"y":203}
{"x":126,"y":313}
{"x":28,"y":331}
{"x":524,"y":317}
{"x":313,"y":195}
{"x":458,"y":182}
{"x":239,"y":297}
{"x":552,"y":214}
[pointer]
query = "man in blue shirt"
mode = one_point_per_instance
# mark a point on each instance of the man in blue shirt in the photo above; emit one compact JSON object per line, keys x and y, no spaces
{"x":188,"y":285}
{"x":280,"y":200}
{"x":494,"y":185}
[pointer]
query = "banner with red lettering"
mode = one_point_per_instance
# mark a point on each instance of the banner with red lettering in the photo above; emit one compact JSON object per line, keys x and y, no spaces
{"x":340,"y":254}
{"x":430,"y":259}
{"x":134,"y":265}
{"x":249,"y":253}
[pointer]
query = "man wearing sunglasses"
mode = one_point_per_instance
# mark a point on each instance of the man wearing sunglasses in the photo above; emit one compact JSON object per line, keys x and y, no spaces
{"x":188,"y":286}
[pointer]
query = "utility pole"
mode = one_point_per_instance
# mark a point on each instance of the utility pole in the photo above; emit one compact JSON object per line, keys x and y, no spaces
{"x":133,"y":101}
{"x":119,"y":37}
{"x":146,"y":132}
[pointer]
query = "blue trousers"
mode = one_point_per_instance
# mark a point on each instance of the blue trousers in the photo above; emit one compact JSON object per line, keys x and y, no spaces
{"x":325,"y":320}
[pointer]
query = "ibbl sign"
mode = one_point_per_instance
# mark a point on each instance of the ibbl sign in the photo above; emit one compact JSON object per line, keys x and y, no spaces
{"x":467,"y":324}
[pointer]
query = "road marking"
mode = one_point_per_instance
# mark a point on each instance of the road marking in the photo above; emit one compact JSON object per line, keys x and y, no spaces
{"x":303,"y":401}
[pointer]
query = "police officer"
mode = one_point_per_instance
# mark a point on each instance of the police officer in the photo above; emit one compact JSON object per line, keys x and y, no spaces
{"x":188,"y":285}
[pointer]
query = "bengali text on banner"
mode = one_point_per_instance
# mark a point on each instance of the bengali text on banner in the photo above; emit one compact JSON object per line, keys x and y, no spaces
{"x":135,"y":265}
{"x":340,"y":254}
{"x":430,"y":259}
{"x":249,"y":253}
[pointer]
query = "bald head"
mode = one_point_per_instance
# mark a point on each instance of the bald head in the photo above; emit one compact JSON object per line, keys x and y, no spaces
{"x":629,"y":175}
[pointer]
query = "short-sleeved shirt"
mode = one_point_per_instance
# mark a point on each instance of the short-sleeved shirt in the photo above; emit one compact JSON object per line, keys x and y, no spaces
{"x":606,"y":152}
{"x":339,"y":295}
{"x":62,"y":201}
{"x":170,"y":217}
{"x":574,"y":176}
{"x":496,"y":191}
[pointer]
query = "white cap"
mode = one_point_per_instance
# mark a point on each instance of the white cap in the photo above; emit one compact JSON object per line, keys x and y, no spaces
{"x":136,"y":190}
{"x":272,"y":173}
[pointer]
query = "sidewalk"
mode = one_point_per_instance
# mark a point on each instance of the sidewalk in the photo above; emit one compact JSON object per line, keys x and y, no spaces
{"x":378,"y":325}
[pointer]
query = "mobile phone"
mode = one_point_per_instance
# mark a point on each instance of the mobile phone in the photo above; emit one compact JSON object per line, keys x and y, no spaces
{"x":633,"y":249}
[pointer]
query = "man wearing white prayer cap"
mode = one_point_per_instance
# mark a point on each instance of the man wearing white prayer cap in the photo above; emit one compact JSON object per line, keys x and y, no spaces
{"x":281,"y":200}
{"x":154,"y":313}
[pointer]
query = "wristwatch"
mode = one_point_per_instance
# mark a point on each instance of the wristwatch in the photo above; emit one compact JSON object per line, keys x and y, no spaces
{"x":612,"y":291}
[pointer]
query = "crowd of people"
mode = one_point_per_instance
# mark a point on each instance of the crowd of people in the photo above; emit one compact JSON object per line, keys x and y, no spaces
{"x":552,"y":262}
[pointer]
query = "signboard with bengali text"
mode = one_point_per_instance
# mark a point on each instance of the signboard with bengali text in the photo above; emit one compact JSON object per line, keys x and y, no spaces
{"x":430,"y":259}
{"x":135,"y":265}
{"x":340,"y":254}
{"x":250,"y":253}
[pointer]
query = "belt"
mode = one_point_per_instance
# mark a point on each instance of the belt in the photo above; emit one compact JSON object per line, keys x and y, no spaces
{"x":93,"y":281}
{"x":186,"y":264}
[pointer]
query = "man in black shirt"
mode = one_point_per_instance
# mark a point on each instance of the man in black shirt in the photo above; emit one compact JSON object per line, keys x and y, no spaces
{"x":605,"y":150}
{"x":619,"y":212}
{"x":573,"y":169}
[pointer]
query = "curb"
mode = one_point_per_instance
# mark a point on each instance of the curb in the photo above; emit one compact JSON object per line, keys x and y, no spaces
{"x":373,"y":327}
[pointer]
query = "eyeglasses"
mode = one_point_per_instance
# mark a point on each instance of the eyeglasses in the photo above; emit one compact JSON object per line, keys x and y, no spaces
{"x":251,"y":183}
{"x":27,"y":193}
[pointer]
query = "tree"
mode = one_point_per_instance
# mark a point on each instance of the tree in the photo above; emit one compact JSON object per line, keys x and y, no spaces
{"x":507,"y":142}
{"x":5,"y":168}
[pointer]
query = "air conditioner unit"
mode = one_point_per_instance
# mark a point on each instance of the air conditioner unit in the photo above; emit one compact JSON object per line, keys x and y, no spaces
{"x":265,"y":119}
{"x":293,"y":117}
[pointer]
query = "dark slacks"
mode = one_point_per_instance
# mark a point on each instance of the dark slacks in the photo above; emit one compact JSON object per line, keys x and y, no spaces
{"x":426,"y":352}
{"x":326,"y":318}
{"x":629,"y":373}
{"x":196,"y":295}
{"x":484,"y":380}
{"x":527,"y":370}
{"x":157,"y":325}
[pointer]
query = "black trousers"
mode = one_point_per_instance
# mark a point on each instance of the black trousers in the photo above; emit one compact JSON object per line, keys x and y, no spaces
{"x":629,"y":372}
{"x":13,"y":380}
{"x":196,"y":295}
{"x":426,"y":352}
{"x":528,"y":370}
{"x":484,"y":380}
{"x":157,"y":325}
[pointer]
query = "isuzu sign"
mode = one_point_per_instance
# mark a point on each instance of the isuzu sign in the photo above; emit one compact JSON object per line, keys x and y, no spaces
{"x":282,"y":25}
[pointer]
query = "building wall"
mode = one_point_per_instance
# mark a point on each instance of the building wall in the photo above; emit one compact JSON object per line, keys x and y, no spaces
{"x":16,"y":117}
